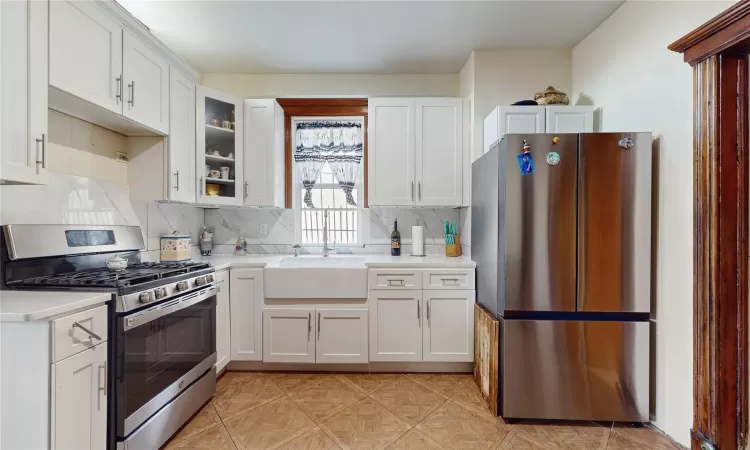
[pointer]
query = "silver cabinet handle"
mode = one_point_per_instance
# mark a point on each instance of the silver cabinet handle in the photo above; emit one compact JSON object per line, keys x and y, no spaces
{"x":418,"y":312}
{"x":118,"y":96}
{"x":309,"y":327}
{"x":99,"y":383}
{"x":131,"y":93}
{"x":428,"y":312}
{"x":177,"y":180}
{"x":419,"y":190}
{"x":42,"y":159}
{"x":245,"y":189}
{"x":201,"y":183}
{"x":453,"y":280}
{"x":400,"y":282}
{"x":412,"y":191}
{"x":318,"y":326}
{"x":90,"y":333}
{"x":106,"y":365}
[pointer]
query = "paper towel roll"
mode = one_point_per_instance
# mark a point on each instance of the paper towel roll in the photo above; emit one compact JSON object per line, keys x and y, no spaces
{"x":417,"y":240}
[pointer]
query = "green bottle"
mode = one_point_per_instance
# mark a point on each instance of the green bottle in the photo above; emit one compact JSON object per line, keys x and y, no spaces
{"x":395,"y":240}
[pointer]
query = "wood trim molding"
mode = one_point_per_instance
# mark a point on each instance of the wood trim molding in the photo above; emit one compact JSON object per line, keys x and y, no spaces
{"x":727,"y":32}
{"x":331,"y":107}
{"x":718,"y":51}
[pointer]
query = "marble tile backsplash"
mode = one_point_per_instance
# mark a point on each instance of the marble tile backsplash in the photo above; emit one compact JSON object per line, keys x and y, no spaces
{"x":377,"y":224}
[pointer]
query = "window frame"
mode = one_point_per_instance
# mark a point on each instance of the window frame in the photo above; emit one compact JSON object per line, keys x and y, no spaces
{"x":297,"y":187}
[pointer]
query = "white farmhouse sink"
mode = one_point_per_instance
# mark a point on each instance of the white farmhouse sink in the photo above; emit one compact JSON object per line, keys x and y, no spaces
{"x":316,"y":277}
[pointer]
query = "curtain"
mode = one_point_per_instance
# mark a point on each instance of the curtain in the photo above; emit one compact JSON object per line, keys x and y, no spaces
{"x":337,"y":143}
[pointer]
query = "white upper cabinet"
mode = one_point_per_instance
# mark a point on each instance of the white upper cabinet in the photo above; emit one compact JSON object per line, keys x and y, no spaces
{"x":263,"y":153}
{"x":512,"y":119}
{"x":439,"y":151}
{"x":145,"y":78}
{"x":85,"y":55}
{"x":415,"y":152}
{"x":181,"y":151}
{"x":570,"y":119}
{"x":23,"y":91}
{"x":219,"y":147}
{"x":246,"y":305}
{"x":391,"y":156}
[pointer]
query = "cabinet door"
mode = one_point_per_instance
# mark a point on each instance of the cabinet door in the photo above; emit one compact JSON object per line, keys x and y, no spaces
{"x":223,"y":320}
{"x":218,"y":147}
{"x":439,"y":151}
{"x":23,"y":91}
{"x":570,"y":119}
{"x":341,"y":335}
{"x":263,"y":153}
{"x":390,"y":152}
{"x":145,"y":75}
{"x":246,"y":306}
{"x":79,"y":401}
{"x":288,"y":335}
{"x":85,"y":54}
{"x":181,"y":160}
{"x":395,"y":325}
{"x":512,"y":119}
{"x":448,"y":334}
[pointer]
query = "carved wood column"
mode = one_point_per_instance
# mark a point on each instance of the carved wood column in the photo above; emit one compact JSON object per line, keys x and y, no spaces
{"x":718,"y":52}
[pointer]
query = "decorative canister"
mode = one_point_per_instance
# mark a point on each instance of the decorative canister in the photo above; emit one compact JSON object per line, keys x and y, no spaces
{"x":551,"y":96}
{"x":175,"y":247}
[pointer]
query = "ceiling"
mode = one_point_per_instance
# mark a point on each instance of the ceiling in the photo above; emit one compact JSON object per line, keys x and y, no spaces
{"x":359,"y":36}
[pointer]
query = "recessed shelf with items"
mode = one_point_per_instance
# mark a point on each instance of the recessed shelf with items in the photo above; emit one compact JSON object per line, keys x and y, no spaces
{"x":219,"y":148}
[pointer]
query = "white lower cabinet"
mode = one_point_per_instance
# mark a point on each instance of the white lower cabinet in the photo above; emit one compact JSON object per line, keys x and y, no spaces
{"x":448,"y":331}
{"x":246,"y":306}
{"x":288,"y":335}
{"x":341,"y":335}
{"x":395,"y":325}
{"x":223,"y":320}
{"x":79,"y":401}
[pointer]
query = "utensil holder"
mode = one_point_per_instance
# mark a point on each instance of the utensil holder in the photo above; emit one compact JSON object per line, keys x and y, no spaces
{"x":454,"y":249}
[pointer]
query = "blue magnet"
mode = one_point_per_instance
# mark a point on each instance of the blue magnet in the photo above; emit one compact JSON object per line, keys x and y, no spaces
{"x":525,"y":163}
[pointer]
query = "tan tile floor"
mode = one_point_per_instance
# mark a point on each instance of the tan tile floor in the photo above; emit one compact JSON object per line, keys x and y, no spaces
{"x":302,"y":411}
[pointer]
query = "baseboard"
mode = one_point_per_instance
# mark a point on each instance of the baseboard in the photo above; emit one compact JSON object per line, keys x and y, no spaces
{"x":393,"y":367}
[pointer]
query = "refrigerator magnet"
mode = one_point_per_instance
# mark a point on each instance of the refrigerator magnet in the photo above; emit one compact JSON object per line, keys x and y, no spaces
{"x":525,"y":163}
{"x":553,"y":158}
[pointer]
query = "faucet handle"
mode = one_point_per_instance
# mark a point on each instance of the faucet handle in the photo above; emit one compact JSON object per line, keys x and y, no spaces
{"x":296,"y":248}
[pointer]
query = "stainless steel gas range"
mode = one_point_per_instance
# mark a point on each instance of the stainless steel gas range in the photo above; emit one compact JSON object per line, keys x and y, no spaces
{"x":162,"y":342}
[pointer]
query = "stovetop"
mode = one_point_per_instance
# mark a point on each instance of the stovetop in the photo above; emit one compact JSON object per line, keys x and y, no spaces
{"x":136,"y":274}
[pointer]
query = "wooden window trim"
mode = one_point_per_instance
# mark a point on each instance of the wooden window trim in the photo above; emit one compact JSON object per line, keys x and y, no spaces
{"x":718,"y":52}
{"x":331,"y":107}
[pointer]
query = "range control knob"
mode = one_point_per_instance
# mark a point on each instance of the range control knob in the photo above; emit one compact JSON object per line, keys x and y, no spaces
{"x":182,"y":286}
{"x":209,"y":278}
{"x":160,"y":293}
{"x":146,"y":297}
{"x":200,"y":281}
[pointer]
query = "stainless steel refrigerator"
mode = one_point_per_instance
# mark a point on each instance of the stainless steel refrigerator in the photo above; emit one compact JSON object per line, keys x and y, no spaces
{"x":563,"y":257}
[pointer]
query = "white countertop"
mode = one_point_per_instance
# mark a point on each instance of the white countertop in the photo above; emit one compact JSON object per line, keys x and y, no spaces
{"x":25,"y":306}
{"x":223,"y":262}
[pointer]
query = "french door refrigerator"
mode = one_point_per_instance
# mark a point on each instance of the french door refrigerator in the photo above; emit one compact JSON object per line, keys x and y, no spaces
{"x":561,"y":232}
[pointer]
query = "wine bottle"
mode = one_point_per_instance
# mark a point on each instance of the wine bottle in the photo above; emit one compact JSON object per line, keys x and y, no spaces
{"x":395,"y":240}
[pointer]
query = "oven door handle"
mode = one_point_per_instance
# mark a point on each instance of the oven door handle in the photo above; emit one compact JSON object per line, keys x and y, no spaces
{"x":149,"y":315}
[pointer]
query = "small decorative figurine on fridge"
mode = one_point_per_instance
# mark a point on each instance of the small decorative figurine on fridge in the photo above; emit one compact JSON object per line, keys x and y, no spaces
{"x":525,"y":160}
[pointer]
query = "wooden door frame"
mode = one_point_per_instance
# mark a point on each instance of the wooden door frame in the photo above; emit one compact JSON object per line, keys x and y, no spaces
{"x":718,"y":52}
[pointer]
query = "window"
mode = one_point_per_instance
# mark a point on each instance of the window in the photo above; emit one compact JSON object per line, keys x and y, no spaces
{"x":328,"y":199}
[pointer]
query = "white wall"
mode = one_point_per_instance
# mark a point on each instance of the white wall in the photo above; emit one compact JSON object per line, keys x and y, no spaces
{"x":625,"y":69}
{"x":502,"y":77}
{"x":246,"y":85}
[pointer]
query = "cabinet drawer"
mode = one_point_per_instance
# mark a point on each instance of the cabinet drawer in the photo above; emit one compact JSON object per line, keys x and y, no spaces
{"x":395,"y":279}
{"x":69,"y":336}
{"x":448,"y":279}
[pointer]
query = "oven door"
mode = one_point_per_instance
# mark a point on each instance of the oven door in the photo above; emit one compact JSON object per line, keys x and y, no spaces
{"x":161,"y":350}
